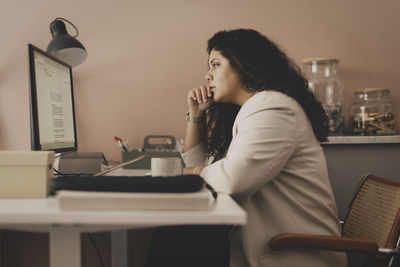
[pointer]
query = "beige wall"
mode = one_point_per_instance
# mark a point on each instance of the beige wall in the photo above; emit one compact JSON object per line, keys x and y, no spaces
{"x":145,"y":55}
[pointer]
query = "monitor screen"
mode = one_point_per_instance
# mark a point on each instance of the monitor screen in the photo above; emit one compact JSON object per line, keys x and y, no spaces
{"x":51,"y":103}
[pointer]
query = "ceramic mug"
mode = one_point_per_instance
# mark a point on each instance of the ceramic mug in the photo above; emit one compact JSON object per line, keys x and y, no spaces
{"x":166,"y":166}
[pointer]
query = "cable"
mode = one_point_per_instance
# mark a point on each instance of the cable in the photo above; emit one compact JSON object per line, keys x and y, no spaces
{"x":97,"y":249}
{"x":57,"y":172}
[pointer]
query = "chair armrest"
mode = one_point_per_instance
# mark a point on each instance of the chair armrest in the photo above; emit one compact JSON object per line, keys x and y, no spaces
{"x":335,"y":243}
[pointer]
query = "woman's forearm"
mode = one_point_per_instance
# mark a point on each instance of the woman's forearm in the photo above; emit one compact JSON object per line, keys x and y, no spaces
{"x":194,"y":134}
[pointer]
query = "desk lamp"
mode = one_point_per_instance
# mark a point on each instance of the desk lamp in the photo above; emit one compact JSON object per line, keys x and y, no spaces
{"x":64,"y":46}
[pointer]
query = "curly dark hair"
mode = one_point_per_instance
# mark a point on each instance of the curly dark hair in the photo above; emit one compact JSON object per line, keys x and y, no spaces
{"x":220,"y":119}
{"x":261,"y":65}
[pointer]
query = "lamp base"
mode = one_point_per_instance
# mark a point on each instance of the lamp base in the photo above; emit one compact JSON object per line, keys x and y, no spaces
{"x":81,"y":163}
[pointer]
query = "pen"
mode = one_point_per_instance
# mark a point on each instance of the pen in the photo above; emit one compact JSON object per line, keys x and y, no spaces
{"x":121,"y":143}
{"x":128,"y":146}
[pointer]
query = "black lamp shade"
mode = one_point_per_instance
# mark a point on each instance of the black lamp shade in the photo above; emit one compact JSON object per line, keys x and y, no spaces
{"x":64,"y":46}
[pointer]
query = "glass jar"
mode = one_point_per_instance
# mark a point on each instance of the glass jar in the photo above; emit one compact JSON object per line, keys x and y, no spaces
{"x":372,"y":113}
{"x":325,"y":83}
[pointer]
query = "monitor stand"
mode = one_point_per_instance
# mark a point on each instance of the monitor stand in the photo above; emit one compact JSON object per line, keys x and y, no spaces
{"x":80,"y":163}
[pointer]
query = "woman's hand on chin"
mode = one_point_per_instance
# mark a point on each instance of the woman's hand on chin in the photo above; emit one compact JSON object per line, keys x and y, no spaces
{"x":200,"y":99}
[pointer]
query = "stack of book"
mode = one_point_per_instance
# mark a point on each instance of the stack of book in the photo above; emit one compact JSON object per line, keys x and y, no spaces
{"x":91,"y":200}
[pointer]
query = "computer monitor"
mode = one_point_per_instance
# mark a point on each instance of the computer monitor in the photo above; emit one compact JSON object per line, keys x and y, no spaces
{"x":53,"y":114}
{"x":51,"y":103}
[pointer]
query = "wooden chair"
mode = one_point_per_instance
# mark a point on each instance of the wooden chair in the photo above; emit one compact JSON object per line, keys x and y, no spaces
{"x":372,"y":225}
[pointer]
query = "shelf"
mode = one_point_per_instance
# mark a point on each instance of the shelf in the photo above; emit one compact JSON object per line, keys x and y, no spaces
{"x":386,"y":139}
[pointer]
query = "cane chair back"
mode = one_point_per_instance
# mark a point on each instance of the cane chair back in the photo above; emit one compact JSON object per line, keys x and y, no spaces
{"x":374,"y":213}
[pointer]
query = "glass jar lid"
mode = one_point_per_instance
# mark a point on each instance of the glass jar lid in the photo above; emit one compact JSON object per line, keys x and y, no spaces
{"x":372,"y":90}
{"x":320,"y":60}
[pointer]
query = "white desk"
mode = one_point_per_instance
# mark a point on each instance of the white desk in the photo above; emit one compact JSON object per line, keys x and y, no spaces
{"x":65,"y":227}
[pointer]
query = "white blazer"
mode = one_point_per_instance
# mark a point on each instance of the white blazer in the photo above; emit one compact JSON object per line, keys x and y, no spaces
{"x":276,"y":170}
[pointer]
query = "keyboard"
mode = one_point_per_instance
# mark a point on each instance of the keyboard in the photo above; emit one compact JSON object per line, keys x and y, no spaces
{"x":172,"y":184}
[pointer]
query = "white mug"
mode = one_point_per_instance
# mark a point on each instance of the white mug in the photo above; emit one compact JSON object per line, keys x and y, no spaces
{"x":166,"y":166}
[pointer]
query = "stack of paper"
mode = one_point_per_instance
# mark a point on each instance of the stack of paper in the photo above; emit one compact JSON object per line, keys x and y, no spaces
{"x":89,"y":200}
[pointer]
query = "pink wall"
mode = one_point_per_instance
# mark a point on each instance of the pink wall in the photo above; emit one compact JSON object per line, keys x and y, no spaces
{"x":145,"y":55}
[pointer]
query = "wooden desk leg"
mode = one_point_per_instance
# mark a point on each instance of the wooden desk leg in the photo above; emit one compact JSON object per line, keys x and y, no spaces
{"x":65,"y":247}
{"x":119,"y":256}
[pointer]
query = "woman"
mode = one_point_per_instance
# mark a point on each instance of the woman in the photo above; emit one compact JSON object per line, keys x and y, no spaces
{"x":254,"y":133}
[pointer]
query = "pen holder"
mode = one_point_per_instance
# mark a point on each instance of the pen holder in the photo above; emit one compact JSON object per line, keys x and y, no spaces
{"x":155,"y":146}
